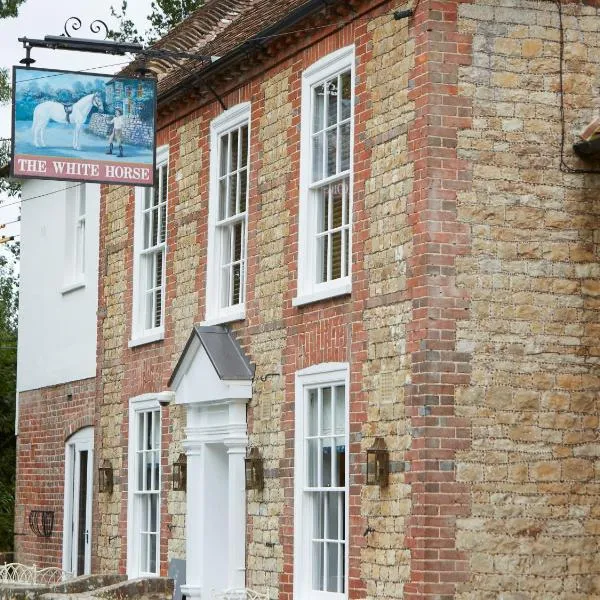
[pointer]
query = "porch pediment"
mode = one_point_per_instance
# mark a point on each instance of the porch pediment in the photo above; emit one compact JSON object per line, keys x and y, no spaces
{"x":212,"y":367}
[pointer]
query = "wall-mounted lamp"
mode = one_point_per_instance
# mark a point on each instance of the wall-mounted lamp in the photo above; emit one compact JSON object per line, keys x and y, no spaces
{"x":105,"y":477}
{"x":180,"y":474}
{"x":378,"y":463}
{"x":255,"y":478}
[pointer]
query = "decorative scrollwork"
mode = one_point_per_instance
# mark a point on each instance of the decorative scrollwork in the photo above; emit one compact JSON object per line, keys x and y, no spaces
{"x":73,"y":24}
{"x":97,"y":26}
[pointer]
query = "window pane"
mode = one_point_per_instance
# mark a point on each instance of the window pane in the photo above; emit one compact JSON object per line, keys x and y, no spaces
{"x":326,"y":456}
{"x":332,"y":95}
{"x":336,"y":255}
{"x":144,"y":550}
{"x":153,"y":217}
{"x":233,"y":165}
{"x":237,"y":241}
{"x":232,"y":209}
{"x":345,"y":147}
{"x":333,"y":571}
{"x":346,"y":95}
{"x":236,"y":285}
{"x":149,"y":192}
{"x":156,"y":464}
{"x":337,"y":205}
{"x":317,"y":158}
{"x":153,"y":500}
{"x":152,"y":550}
{"x":163,"y":223}
{"x":331,"y":152}
{"x":340,"y":462}
{"x":332,"y":514}
{"x":225,"y":286}
{"x":312,"y":462}
{"x":224,"y":151}
{"x":164,"y":184}
{"x":318,"y":108}
{"x":245,"y":142}
{"x":340,"y":409}
{"x":317,"y":570}
{"x":327,"y":409}
{"x":149,"y":310}
{"x":243,"y":189}
{"x":323,"y":258}
{"x":318,"y":516}
{"x":222,"y":198}
{"x":323,"y":212}
{"x":313,"y":413}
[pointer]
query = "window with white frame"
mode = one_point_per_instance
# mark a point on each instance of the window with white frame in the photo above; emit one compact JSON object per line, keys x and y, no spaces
{"x":143,"y":526}
{"x":321,"y":482}
{"x":324,"y":251}
{"x":150,"y":255}
{"x":228,"y":215}
{"x":75,"y":237}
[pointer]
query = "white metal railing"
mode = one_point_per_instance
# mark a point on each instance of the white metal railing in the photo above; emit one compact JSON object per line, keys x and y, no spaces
{"x":24,"y":574}
{"x":239,"y":594}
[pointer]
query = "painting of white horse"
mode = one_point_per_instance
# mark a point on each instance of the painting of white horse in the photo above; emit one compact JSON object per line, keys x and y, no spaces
{"x":55,"y":111}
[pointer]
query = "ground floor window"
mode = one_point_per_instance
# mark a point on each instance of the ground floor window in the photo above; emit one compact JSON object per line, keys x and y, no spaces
{"x":144,"y":487}
{"x":321,"y":488}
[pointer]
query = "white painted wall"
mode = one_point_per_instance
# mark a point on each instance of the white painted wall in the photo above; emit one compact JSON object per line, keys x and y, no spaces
{"x":57,"y":325}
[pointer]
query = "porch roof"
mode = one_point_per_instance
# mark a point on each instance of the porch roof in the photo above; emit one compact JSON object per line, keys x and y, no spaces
{"x":222,"y":348}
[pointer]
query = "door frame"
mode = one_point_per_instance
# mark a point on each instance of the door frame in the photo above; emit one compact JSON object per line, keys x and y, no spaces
{"x":82,"y":440}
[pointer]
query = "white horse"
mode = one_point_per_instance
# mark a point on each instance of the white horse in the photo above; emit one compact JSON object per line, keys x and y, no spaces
{"x":55,"y":111}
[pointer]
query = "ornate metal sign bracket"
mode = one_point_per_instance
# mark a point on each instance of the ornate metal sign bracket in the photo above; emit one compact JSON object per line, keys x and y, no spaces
{"x":74,"y":24}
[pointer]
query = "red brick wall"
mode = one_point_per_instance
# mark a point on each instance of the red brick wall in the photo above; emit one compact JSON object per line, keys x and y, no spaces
{"x":438,"y":305}
{"x":47,"y":418}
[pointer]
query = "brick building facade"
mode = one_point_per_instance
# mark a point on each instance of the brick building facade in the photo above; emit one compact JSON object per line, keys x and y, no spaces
{"x":389,"y":219}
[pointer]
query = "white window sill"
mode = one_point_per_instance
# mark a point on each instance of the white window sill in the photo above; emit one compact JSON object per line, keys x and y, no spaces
{"x":146,"y":339}
{"x":329,"y":291}
{"x":71,"y":287}
{"x":234,"y":315}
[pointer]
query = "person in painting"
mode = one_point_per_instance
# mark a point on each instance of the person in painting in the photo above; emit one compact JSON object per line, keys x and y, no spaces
{"x":116,"y":134}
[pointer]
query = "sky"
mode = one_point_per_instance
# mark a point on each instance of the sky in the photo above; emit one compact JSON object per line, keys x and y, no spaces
{"x":38,"y":18}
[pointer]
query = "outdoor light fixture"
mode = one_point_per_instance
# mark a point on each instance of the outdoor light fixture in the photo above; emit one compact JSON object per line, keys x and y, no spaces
{"x":105,"y":477}
{"x":378,"y":463}
{"x":255,"y":478}
{"x":180,"y":474}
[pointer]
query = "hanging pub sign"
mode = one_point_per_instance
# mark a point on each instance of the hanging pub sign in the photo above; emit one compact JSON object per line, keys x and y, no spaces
{"x":83,"y":127}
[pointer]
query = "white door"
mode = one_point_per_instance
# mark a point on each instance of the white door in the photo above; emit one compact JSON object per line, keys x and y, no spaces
{"x":79,"y":463}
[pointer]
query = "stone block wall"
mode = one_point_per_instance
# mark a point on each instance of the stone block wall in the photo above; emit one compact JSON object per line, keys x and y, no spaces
{"x":533,"y":274}
{"x":47,"y":418}
{"x":135,"y":131}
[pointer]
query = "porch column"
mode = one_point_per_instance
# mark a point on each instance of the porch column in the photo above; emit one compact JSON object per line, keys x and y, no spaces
{"x":236,"y":442}
{"x":195,"y":511}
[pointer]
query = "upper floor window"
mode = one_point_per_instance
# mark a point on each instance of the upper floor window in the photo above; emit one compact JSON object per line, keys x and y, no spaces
{"x":324,"y":251}
{"x":75,"y":236}
{"x":228,"y":215}
{"x":150,"y":245}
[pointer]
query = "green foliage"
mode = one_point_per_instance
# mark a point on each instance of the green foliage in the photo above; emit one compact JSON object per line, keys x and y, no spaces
{"x":8,"y":372}
{"x":9,"y":187}
{"x":164,"y":16}
{"x":4,"y":86}
{"x":8,"y":337}
{"x":9,"y":8}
